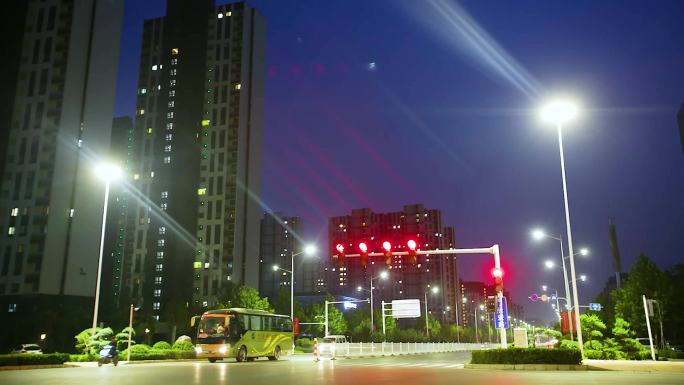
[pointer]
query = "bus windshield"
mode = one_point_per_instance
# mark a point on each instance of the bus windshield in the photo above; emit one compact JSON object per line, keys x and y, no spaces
{"x":214,"y":326}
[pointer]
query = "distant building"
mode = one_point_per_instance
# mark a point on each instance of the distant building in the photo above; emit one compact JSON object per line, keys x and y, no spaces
{"x":51,"y":200}
{"x":280,"y":237}
{"x":197,"y":160}
{"x":680,"y":122}
{"x":406,"y":281}
{"x":474,"y":294}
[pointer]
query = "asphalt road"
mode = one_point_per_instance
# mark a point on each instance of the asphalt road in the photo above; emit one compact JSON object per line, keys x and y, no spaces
{"x":431,"y":369}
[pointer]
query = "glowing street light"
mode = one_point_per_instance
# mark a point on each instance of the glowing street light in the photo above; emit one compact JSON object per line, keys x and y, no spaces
{"x":558,"y":113}
{"x":308,"y":250}
{"x":544,"y":287}
{"x":434,"y":290}
{"x":584,"y":251}
{"x":583,"y":278}
{"x":549,"y":264}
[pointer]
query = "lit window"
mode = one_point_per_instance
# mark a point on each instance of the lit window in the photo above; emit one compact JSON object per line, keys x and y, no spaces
{"x":71,"y":213}
{"x":172,"y":82}
{"x":168,"y":137}
{"x":202,"y":191}
{"x":10,"y":230}
{"x":174,"y":61}
{"x":141,"y":111}
{"x":154,"y":67}
{"x":229,"y":13}
{"x":164,"y":206}
{"x":174,"y":51}
{"x":136,"y":176}
{"x":156,"y":317}
{"x":171,"y":104}
{"x":164,"y":194}
{"x":160,"y":254}
{"x":197,"y":265}
{"x":172,"y":93}
{"x":205,"y":303}
{"x":160,"y":242}
{"x":159,"y":267}
{"x":238,"y":86}
{"x":151,"y":174}
{"x":205,"y":122}
{"x":15,"y":212}
{"x":149,"y":130}
{"x":169,"y":126}
{"x":143,"y":91}
{"x":12,"y":308}
{"x":167,"y":160}
{"x":80,"y":143}
{"x":158,"y":86}
{"x":206,"y":265}
{"x":156,"y":306}
{"x":220,"y":16}
{"x":162,"y":230}
{"x":173,"y":72}
{"x":169,"y":115}
{"x":157,"y":292}
{"x":167,"y":148}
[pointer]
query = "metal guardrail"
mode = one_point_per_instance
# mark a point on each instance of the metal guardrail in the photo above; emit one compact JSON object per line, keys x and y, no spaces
{"x":365,"y":349}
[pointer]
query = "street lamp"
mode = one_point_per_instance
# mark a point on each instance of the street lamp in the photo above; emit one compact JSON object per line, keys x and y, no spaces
{"x":434,"y":290}
{"x":544,"y":287}
{"x":107,"y":172}
{"x":308,"y":250}
{"x":383,"y":275}
{"x":549,"y":264}
{"x":558,"y":113}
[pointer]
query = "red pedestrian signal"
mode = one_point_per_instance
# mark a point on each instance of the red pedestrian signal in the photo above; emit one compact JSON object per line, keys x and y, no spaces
{"x":388,"y":252}
{"x":412,"y":252}
{"x":363,"y":254}
{"x":339,"y":255}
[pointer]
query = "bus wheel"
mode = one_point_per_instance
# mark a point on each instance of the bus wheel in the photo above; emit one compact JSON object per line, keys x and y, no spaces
{"x":212,"y":360}
{"x":241,"y":354}
{"x":276,"y":354}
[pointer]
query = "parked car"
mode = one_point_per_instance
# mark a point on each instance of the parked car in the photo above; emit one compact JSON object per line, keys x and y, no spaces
{"x":27,"y":349}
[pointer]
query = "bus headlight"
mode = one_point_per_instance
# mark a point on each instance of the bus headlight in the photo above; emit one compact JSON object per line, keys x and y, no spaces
{"x":223,"y":349}
{"x":198,"y":349}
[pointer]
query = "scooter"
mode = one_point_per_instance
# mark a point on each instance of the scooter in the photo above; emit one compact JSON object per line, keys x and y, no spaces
{"x":106,"y":357}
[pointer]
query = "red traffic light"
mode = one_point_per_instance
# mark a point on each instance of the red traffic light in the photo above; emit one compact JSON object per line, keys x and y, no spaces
{"x":340,"y":248}
{"x":387,"y":246}
{"x":363,"y":247}
{"x":411,"y":244}
{"x":497,"y":273}
{"x":413,"y":256}
{"x":388,"y":252}
{"x":338,"y":258}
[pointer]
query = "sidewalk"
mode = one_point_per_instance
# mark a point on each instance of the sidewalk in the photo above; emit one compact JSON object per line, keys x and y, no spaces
{"x":636,"y":366}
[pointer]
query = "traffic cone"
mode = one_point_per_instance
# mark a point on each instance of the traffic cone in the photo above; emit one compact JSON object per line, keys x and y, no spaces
{"x":315,"y":349}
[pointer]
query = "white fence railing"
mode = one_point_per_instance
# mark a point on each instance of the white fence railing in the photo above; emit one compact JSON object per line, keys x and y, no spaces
{"x":395,"y":348}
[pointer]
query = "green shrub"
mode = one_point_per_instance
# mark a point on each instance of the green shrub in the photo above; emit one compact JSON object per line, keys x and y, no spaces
{"x":527,"y":356}
{"x":167,"y":354}
{"x":304,"y":343}
{"x":161,"y":345}
{"x":82,"y":357}
{"x":667,"y":354}
{"x":567,"y":344}
{"x":140,"y":349}
{"x":33,"y":359}
{"x":183,"y":345}
{"x":593,"y":345}
{"x":593,"y":354}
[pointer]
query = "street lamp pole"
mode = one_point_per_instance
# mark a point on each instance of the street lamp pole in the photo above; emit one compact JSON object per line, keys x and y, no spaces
{"x":99,"y":261}
{"x":575,"y":298}
{"x":477,"y":336}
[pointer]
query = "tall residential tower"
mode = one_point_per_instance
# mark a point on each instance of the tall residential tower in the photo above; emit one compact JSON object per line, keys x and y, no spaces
{"x":198,"y":134}
{"x":50,"y":200}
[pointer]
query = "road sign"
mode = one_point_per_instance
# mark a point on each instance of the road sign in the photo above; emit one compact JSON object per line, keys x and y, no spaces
{"x":501,"y":315}
{"x":554,"y":297}
{"x":544,"y":297}
{"x":406,"y":308}
{"x":594,"y":306}
{"x":534,"y":297}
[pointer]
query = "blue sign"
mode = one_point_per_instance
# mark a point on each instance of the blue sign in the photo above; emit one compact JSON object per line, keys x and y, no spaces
{"x":553,"y":297}
{"x":501,"y":315}
{"x":594,"y":306}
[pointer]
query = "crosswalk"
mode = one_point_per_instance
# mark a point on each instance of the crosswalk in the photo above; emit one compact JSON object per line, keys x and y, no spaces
{"x":413,"y":365}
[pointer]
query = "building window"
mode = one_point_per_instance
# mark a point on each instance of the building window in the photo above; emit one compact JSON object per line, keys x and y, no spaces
{"x":143,"y":91}
{"x":10,"y":231}
{"x":162,"y":230}
{"x":168,"y":137}
{"x":169,"y":126}
{"x":169,"y":115}
{"x":202,"y":191}
{"x":158,"y":280}
{"x":167,"y":148}
{"x":174,"y":61}
{"x":167,"y":160}
{"x":174,"y":51}
{"x":220,"y":16}
{"x":164,"y":194}
{"x":238,"y":86}
{"x":71,"y":213}
{"x":160,"y":254}
{"x":141,"y":111}
{"x":172,"y":93}
{"x":157,"y":292}
{"x":159,"y":267}
{"x":149,"y":130}
{"x":12,"y":308}
{"x":164,"y":206}
{"x":154,"y":67}
{"x":15,"y":212}
{"x":171,"y":104}
{"x":160,"y":242}
{"x":172,"y":82}
{"x":173,"y":72}
{"x":156,"y":306}
{"x":205,"y":303}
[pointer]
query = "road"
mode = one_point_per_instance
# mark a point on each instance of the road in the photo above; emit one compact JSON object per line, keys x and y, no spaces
{"x":429,"y":369}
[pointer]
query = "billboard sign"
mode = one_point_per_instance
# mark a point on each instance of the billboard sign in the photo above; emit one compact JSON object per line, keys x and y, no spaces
{"x":406,"y":308}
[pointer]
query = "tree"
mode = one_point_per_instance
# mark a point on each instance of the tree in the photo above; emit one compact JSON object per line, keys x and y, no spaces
{"x":281,"y":304}
{"x":674,"y":322}
{"x":336,"y":322}
{"x":245,"y":297}
{"x":644,"y":279}
{"x":593,"y":328}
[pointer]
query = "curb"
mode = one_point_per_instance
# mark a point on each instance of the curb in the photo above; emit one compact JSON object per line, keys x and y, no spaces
{"x":540,"y":367}
{"x":27,"y":367}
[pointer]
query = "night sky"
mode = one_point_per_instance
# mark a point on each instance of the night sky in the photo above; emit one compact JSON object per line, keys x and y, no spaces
{"x":384,"y":103}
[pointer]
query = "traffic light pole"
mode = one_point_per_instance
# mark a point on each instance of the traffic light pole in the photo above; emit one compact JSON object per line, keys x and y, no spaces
{"x":494,"y":250}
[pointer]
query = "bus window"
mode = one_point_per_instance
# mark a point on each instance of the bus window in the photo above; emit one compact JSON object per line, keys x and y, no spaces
{"x":287,"y":325}
{"x":212,"y":327}
{"x":267,"y":323}
{"x":255,"y":322}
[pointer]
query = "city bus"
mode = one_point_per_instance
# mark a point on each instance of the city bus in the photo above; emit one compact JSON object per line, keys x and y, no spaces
{"x":243,"y":334}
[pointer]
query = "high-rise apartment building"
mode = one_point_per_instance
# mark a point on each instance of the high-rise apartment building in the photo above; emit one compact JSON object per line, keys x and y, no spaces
{"x":198,"y":134}
{"x":406,"y":281}
{"x":281,"y":237}
{"x":50,"y":199}
{"x":680,"y":123}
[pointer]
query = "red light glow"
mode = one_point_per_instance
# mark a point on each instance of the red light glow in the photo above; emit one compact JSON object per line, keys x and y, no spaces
{"x":387,"y":246}
{"x":411,"y":244}
{"x":340,"y":248}
{"x":363,"y":247}
{"x":497,"y":273}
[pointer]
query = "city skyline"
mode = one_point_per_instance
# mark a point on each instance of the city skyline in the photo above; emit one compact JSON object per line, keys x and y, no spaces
{"x":428,"y":120}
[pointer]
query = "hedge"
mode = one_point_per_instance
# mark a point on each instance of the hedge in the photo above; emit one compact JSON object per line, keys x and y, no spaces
{"x":183,"y":345}
{"x":161,"y":345}
{"x":669,"y":354}
{"x":526,"y":356}
{"x":33,"y":359}
{"x":158,"y":354}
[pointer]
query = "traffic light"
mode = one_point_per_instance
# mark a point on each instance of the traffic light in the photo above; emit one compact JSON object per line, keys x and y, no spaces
{"x":339,"y":255}
{"x":412,"y":254}
{"x":388,"y":252}
{"x":497,"y":273}
{"x":363,"y":254}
